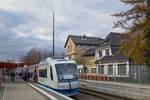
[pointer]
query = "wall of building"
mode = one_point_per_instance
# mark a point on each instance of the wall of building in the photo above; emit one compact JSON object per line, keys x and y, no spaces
{"x":90,"y":62}
{"x":103,"y":50}
{"x":115,"y":68}
{"x":70,"y":49}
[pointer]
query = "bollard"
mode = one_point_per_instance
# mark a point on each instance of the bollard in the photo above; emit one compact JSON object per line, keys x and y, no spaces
{"x":87,"y":76}
{"x":96,"y":77}
{"x":102,"y":78}
{"x":90,"y":76}
{"x":99,"y":78}
{"x":93,"y":77}
{"x":84,"y":76}
{"x":106,"y":78}
{"x":80,"y":76}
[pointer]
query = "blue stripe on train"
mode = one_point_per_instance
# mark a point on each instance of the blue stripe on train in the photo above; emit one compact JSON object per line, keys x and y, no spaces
{"x":63,"y":91}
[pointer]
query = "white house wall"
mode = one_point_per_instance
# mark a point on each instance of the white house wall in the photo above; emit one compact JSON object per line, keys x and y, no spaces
{"x":127,"y":66}
{"x":103,"y":52}
{"x":115,"y":69}
{"x":106,"y":69}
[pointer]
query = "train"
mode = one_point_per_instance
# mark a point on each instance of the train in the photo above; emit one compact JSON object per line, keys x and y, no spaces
{"x":60,"y":75}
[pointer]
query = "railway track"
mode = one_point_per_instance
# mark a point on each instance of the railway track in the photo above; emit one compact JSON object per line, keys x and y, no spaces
{"x":92,"y":95}
{"x":85,"y":94}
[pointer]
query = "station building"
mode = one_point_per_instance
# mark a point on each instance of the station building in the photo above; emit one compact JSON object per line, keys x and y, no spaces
{"x":85,"y":44}
{"x":103,"y":57}
{"x":108,"y":59}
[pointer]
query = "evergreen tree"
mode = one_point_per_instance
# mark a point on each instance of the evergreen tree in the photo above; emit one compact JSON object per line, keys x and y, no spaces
{"x":136,"y":21}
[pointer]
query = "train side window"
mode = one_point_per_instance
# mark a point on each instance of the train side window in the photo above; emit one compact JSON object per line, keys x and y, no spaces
{"x":51,"y":73}
{"x":43,"y":73}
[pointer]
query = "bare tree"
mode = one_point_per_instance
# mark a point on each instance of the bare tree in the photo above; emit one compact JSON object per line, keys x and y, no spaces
{"x":35,"y":55}
{"x":79,"y":58}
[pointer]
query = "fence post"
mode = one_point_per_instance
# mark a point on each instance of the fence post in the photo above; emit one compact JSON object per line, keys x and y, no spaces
{"x":139,"y":73}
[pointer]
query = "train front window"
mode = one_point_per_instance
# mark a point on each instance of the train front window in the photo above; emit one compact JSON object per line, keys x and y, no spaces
{"x":66,"y":71}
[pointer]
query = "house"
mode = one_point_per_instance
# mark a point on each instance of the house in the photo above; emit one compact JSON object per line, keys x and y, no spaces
{"x":75,"y":44}
{"x":108,"y":60}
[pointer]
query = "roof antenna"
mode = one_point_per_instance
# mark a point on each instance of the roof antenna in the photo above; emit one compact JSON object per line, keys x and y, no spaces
{"x":53,"y":34}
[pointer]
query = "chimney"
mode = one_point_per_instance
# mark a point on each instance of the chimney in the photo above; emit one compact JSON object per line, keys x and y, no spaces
{"x":84,"y":35}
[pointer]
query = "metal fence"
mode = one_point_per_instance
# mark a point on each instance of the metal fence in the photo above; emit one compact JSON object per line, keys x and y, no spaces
{"x":136,"y":74}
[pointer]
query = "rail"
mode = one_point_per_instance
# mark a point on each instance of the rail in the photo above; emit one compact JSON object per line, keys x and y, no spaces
{"x":102,"y":95}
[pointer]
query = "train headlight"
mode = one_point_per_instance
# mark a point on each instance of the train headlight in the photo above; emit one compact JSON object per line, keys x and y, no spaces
{"x":60,"y":77}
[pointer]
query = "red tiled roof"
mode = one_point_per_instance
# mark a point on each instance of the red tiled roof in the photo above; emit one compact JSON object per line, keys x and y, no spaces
{"x":10,"y":65}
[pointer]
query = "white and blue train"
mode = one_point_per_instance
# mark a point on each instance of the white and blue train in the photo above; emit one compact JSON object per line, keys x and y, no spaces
{"x":58,"y":74}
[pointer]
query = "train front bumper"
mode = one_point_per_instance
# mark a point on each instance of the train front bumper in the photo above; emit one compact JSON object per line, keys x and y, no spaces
{"x":67,"y":85}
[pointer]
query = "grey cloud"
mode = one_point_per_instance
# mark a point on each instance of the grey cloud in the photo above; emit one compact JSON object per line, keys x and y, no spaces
{"x":30,"y":24}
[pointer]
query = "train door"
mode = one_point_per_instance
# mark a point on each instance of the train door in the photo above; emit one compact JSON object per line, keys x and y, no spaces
{"x":53,"y":82}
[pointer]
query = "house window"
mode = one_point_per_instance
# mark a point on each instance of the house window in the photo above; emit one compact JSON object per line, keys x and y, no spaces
{"x":107,"y":52}
{"x":121,"y":69}
{"x":69,"y":49}
{"x":100,"y":53}
{"x":110,"y":69}
{"x":101,"y":69}
{"x":93,"y":70}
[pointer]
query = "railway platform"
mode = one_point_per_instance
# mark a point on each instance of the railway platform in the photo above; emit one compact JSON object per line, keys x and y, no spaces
{"x":20,"y":90}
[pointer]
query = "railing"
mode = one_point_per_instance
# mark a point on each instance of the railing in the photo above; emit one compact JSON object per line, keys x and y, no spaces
{"x":89,"y":76}
{"x":139,"y":74}
{"x":140,"y":80}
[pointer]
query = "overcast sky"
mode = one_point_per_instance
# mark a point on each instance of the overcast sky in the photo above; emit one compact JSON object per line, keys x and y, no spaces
{"x":25,"y":24}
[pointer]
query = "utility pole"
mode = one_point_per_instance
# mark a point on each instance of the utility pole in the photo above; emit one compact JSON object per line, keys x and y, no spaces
{"x":53,"y":34}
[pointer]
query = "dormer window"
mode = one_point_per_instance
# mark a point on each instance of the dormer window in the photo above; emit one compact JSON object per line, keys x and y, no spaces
{"x":107,"y":52}
{"x":83,"y":39}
